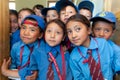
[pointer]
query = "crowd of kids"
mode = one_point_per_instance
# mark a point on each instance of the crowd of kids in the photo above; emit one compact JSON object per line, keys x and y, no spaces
{"x":63,"y":42}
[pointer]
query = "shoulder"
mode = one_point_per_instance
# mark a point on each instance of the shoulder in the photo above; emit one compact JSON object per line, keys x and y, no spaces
{"x":75,"y":55}
{"x":17,"y":44}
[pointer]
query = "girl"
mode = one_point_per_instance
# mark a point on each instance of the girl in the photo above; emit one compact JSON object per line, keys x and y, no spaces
{"x":52,"y":58}
{"x":30,"y":33}
{"x":92,"y":57}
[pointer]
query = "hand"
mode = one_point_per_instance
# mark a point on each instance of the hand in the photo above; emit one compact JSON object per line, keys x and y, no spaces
{"x":5,"y":65}
{"x":33,"y":76}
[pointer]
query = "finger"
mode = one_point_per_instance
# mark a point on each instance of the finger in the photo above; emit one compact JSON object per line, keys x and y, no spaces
{"x":9,"y":61}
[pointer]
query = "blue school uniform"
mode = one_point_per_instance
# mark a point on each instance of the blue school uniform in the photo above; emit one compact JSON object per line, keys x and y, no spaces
{"x":19,"y":59}
{"x":40,"y":62}
{"x":15,"y":37}
{"x":116,"y":59}
{"x":80,"y":69}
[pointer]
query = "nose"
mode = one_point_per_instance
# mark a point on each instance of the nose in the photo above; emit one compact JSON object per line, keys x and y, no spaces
{"x":73,"y":35}
{"x":52,"y":35}
{"x":26,"y":32}
{"x":101,"y":33}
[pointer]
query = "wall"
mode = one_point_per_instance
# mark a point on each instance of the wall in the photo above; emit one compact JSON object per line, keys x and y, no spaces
{"x":28,"y":3}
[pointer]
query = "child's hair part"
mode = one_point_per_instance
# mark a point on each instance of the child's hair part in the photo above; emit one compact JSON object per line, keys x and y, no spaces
{"x":13,"y":12}
{"x":79,"y":18}
{"x":38,"y":6}
{"x":58,"y":22}
{"x":26,"y":9}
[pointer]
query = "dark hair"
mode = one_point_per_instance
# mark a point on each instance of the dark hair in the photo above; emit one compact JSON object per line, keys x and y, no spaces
{"x":13,"y":12}
{"x":27,"y":9}
{"x":103,"y":20}
{"x":58,"y":22}
{"x":38,"y":6}
{"x":79,"y":18}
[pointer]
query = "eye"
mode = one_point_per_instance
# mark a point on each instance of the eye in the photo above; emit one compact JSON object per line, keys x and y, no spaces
{"x":23,"y":27}
{"x":48,"y":31}
{"x":106,"y":31}
{"x":69,"y":32}
{"x":77,"y":29}
{"x":32,"y":30}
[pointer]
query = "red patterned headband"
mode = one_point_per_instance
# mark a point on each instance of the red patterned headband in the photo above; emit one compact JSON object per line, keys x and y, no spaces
{"x":30,"y":22}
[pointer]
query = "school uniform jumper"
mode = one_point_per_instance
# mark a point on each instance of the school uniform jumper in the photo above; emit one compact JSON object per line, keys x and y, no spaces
{"x":40,"y":62}
{"x":116,"y":58}
{"x":19,"y":59}
{"x":80,"y":68}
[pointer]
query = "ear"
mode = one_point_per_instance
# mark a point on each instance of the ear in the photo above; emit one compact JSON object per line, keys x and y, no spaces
{"x":41,"y":35}
{"x":89,"y":30}
{"x":113,"y":32}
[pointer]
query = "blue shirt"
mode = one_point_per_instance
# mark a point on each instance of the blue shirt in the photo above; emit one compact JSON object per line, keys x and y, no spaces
{"x":41,"y":62}
{"x":15,"y":57}
{"x":81,"y":70}
{"x":116,"y":59}
{"x":15,"y":37}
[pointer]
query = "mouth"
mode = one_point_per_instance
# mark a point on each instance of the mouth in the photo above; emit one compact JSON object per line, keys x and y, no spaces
{"x":75,"y":40}
{"x":52,"y":40}
{"x":25,"y":38}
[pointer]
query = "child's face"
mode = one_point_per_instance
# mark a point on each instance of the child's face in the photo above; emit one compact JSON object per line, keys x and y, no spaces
{"x":51,"y":15}
{"x":86,"y":13}
{"x":103,"y":30}
{"x":13,"y":23}
{"x":38,"y":12}
{"x":78,"y":33}
{"x":67,"y":13}
{"x":29,"y":33}
{"x":22,"y":15}
{"x":53,"y":34}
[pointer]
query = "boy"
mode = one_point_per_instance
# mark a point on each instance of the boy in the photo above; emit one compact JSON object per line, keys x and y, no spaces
{"x":104,"y":25}
{"x":65,"y":9}
{"x":50,"y":13}
{"x":30,"y":33}
{"x":86,"y":8}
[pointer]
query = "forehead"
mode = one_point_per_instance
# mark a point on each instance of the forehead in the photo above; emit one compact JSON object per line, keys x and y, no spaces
{"x":67,"y":8}
{"x":103,"y":24}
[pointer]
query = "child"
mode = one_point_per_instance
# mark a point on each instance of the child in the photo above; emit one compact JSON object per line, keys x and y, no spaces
{"x":15,"y":37}
{"x":104,"y":25}
{"x":13,"y":25}
{"x":50,"y":13}
{"x":37,"y":9}
{"x":90,"y":59}
{"x":65,"y":9}
{"x":30,"y":33}
{"x":13,"y":21}
{"x":52,"y":54}
{"x":86,"y":8}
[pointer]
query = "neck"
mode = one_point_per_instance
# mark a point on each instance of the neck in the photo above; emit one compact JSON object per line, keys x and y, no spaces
{"x":87,"y":42}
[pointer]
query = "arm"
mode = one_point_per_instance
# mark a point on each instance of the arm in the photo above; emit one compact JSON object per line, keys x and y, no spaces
{"x":7,"y":72}
{"x":76,"y":71}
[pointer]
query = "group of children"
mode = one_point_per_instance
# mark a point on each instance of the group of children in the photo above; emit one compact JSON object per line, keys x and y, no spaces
{"x":62,"y":44}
